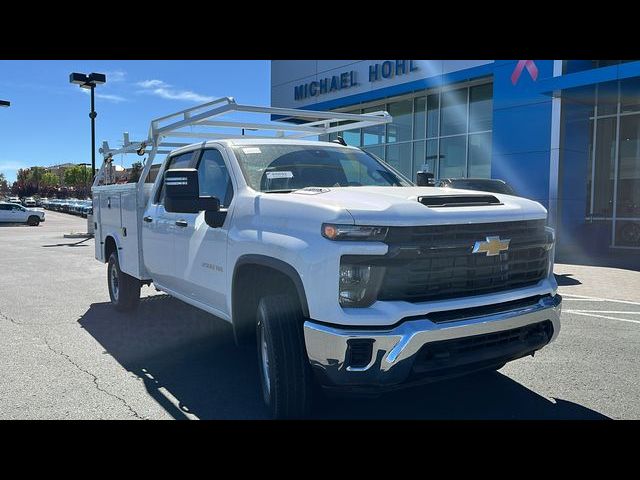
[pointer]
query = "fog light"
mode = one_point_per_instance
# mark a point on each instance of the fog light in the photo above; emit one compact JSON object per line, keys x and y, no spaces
{"x":359,"y":353}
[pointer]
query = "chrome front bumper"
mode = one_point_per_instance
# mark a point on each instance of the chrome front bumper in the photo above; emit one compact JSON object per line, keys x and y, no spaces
{"x":394,"y":350}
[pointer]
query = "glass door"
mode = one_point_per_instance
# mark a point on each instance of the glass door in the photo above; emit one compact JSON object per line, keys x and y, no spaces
{"x":614,"y":184}
{"x":627,"y":204}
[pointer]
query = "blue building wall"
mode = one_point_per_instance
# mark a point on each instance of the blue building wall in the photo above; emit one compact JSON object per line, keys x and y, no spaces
{"x":521,"y":130}
{"x":573,"y":183}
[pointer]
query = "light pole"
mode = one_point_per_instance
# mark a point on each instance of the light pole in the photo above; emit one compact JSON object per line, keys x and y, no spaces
{"x":90,"y":81}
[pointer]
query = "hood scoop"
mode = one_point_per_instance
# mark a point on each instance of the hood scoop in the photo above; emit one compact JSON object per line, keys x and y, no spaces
{"x":445,"y":201}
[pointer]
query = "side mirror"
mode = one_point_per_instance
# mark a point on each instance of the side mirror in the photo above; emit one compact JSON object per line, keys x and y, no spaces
{"x":425,"y":179}
{"x":182,"y":190}
{"x":182,"y":195}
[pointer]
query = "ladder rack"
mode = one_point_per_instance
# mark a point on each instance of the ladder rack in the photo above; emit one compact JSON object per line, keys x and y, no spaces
{"x":209,"y":115}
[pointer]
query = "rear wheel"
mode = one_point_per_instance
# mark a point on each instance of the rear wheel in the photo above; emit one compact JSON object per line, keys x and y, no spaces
{"x":124,"y":290}
{"x":33,"y":221}
{"x":284,"y":369}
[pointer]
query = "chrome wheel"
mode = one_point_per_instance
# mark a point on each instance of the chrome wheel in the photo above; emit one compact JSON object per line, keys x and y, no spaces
{"x":115,"y":284}
{"x":264,"y":357}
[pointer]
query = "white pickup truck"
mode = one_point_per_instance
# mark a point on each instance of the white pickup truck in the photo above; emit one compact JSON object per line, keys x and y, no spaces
{"x":16,"y":213}
{"x":345,"y":274}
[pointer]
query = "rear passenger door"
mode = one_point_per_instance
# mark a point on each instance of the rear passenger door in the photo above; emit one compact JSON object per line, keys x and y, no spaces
{"x":201,"y":251}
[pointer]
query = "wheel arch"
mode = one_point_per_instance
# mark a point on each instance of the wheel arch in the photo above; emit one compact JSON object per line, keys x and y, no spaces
{"x":110,"y":246}
{"x":242,"y":309}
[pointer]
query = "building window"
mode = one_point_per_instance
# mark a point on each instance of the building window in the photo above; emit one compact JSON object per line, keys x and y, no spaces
{"x":419,"y":118}
{"x":453,"y":114}
{"x":433,"y":115}
{"x":453,"y":156}
{"x":352,"y":137}
{"x":480,"y":155}
{"x":613,"y":186}
{"x":481,"y":108}
{"x":373,"y":135}
{"x":400,"y":129}
{"x":399,"y":156}
{"x":444,"y":131}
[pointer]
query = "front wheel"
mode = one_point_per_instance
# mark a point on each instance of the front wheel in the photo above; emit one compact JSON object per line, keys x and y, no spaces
{"x":285,"y":372}
{"x":33,"y":221}
{"x":124,"y":290}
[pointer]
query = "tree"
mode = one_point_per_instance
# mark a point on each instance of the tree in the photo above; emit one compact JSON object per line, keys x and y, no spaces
{"x":23,"y":187}
{"x":49,"y":180}
{"x":35,"y":177}
{"x":22,"y":177}
{"x":136,"y":170}
{"x":4,"y":185}
{"x":77,"y":176}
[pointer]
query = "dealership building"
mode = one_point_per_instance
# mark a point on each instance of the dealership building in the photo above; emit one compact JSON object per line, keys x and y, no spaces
{"x":565,"y":133}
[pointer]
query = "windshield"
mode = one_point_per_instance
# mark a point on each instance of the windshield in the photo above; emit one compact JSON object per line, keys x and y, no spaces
{"x":483,"y":185}
{"x":284,"y":168}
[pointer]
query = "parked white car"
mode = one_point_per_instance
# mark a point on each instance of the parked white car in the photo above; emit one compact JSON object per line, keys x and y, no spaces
{"x":16,"y":213}
{"x":29,"y":202}
{"x":342,"y":272}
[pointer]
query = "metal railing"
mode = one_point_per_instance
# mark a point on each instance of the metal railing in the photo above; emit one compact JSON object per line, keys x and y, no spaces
{"x":209,"y":115}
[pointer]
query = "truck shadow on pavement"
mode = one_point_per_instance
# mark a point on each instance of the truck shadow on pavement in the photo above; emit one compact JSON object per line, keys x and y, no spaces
{"x":566,"y":280}
{"x":179,"y":349}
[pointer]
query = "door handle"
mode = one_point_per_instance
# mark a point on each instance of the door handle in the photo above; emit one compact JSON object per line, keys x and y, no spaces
{"x":181,"y":223}
{"x":148,"y":219}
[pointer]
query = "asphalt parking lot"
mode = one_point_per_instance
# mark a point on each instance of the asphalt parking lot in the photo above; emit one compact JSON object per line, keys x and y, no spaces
{"x":66,"y":354}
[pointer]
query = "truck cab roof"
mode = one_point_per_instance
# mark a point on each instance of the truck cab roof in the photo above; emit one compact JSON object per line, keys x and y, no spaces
{"x":238,"y":142}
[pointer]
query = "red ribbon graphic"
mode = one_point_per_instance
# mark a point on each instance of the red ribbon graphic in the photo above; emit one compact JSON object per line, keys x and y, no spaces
{"x":530,"y":66}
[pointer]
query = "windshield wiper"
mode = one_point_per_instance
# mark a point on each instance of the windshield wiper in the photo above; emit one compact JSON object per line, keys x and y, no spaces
{"x":284,"y":190}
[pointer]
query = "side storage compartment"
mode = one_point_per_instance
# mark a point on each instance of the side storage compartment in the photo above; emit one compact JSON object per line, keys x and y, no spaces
{"x":97,"y":233}
{"x":117,"y":214}
{"x":130,"y":246}
{"x":107,"y":219}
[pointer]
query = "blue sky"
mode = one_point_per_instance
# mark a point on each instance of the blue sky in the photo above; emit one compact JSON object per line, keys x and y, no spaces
{"x":48,"y":120}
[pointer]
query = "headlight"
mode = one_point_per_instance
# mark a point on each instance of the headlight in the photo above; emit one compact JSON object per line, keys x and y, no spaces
{"x":359,"y":284}
{"x":354,"y":232}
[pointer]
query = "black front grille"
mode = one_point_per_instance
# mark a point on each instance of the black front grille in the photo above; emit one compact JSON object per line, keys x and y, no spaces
{"x":497,"y":347}
{"x":436,"y":262}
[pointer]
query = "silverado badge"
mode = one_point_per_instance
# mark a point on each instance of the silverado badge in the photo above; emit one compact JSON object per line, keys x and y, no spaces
{"x":492,"y":246}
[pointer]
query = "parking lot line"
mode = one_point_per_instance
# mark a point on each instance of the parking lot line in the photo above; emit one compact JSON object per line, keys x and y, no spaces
{"x":571,"y":296}
{"x":578,"y":312}
{"x":605,"y":311}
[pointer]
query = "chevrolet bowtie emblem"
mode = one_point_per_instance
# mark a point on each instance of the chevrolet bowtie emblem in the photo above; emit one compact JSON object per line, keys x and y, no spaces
{"x":492,"y":246}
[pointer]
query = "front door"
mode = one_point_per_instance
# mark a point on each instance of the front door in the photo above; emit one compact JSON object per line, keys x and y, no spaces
{"x":18,"y":214}
{"x":158,"y":231}
{"x":4,"y":212}
{"x":201,"y":251}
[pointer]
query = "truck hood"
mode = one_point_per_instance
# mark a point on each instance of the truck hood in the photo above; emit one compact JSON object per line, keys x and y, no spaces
{"x":400,"y":206}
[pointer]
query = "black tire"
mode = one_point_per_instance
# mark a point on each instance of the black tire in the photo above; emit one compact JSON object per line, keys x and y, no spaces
{"x":124,"y":290}
{"x":286,"y":377}
{"x":33,"y":221}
